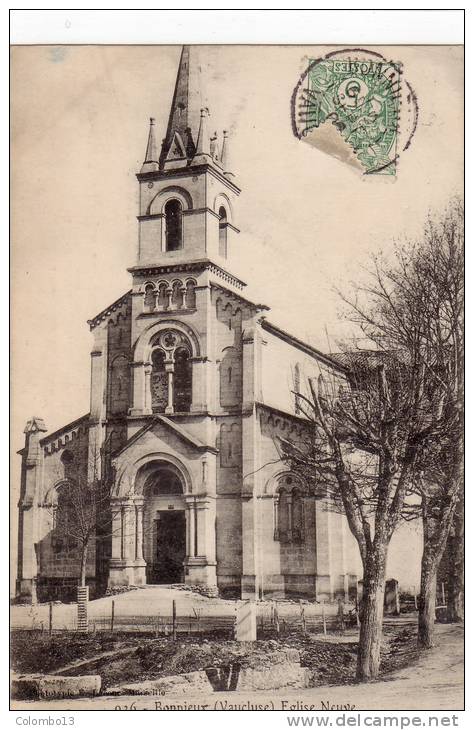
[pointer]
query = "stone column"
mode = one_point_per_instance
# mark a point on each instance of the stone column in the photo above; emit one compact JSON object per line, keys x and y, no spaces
{"x":138,"y":531}
{"x":140,"y":563}
{"x":116,"y":574}
{"x":147,"y":401}
{"x":97,"y":385}
{"x":129,"y":530}
{"x":190,"y":528}
{"x":206,"y":529}
{"x":249,"y":551}
{"x":169,"y":368}
{"x":201,"y":562}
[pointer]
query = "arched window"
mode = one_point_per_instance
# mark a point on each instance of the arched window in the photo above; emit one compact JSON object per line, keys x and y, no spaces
{"x":297,"y":516}
{"x":159,"y":381}
{"x":173,"y":225}
{"x":182,"y":386}
{"x":163,"y":297}
{"x":150,"y":298}
{"x":118,"y":383}
{"x":190,"y":294}
{"x":222,"y":232}
{"x":289,"y":512}
{"x":177,"y":295}
{"x":67,"y":457}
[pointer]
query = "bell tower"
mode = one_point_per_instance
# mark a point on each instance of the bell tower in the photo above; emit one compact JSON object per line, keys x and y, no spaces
{"x":187,"y":190}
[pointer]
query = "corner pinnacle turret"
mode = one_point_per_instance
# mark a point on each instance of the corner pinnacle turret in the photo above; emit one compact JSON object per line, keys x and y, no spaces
{"x":151,"y":161}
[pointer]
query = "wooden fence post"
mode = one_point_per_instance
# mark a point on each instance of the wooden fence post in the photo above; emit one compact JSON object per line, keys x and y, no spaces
{"x":340,"y":615}
{"x":277,"y":620}
{"x":50,"y":618}
{"x":197,"y":613}
{"x":324,"y":618}
{"x":174,"y":620}
{"x":303,"y":618}
{"x":112,"y":617}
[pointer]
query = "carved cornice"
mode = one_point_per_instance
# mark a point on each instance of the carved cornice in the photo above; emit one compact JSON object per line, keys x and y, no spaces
{"x":55,"y":439}
{"x":188,"y":171}
{"x":199,"y":265}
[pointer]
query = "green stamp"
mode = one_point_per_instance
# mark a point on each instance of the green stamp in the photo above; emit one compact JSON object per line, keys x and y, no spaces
{"x":362,"y":100}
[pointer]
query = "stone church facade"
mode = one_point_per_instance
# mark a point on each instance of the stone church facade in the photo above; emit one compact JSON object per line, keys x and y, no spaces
{"x":191,"y":387}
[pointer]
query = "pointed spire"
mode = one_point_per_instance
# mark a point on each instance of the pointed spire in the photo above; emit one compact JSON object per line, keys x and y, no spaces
{"x":215,"y":149}
{"x":203,"y":151}
{"x":224,"y":149}
{"x":151,"y":156}
{"x":225,"y":155}
{"x":184,"y":115}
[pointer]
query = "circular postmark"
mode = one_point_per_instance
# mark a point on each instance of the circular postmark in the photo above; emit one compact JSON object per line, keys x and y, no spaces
{"x":372,"y":108}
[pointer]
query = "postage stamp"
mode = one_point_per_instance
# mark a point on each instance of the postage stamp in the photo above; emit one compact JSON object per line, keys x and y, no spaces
{"x":360,"y":93}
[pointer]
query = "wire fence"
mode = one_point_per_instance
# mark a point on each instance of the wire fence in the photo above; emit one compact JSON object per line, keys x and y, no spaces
{"x":271,"y":620}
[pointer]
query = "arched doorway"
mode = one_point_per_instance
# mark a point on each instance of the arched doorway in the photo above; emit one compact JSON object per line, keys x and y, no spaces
{"x":164,"y":524}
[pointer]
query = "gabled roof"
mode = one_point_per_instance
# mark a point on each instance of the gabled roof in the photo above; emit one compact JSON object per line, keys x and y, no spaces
{"x":329,"y":360}
{"x":179,"y":430}
{"x":108,"y":310}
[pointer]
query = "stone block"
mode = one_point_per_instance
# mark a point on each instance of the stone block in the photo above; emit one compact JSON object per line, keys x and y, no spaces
{"x":278,"y":676}
{"x":50,"y":686}
{"x":173,"y":685}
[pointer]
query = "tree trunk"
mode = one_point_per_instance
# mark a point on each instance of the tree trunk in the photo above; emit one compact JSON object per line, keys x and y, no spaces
{"x":370,"y":636}
{"x":82,"y":579}
{"x":455,"y":563}
{"x":426,"y":610}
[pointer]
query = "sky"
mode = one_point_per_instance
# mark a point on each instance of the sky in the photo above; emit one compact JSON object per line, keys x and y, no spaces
{"x":308,"y":222}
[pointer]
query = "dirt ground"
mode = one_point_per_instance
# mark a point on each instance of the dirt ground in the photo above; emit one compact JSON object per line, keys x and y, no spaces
{"x":121,"y":657}
{"x":435,"y":681}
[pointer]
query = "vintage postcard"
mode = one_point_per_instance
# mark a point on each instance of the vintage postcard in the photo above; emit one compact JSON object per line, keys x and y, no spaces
{"x":238,"y":381}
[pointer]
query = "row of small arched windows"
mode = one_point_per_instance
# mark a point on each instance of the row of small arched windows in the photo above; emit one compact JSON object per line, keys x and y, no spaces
{"x":167,"y":296}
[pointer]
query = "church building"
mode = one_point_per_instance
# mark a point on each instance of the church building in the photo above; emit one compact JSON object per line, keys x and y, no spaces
{"x":191,"y":388}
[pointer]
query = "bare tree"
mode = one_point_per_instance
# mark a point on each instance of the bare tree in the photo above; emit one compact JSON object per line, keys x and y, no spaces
{"x":454,"y":566}
{"x":362,"y":441}
{"x":416,"y":308}
{"x":433,"y":290}
{"x":382,"y":440}
{"x":81,"y":510}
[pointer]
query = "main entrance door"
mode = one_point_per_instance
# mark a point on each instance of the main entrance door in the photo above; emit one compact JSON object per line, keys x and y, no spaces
{"x":169,"y":547}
